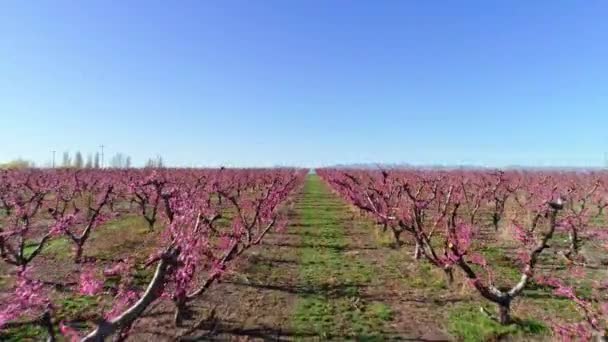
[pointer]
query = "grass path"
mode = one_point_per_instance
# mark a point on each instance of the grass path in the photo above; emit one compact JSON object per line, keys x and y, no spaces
{"x":332,"y":273}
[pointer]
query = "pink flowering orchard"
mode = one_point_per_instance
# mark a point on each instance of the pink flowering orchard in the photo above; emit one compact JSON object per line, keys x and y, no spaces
{"x":196,"y":225}
{"x":445,"y":215}
{"x":42,"y":207}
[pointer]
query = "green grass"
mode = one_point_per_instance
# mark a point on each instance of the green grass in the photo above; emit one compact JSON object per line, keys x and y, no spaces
{"x":381,"y":311}
{"x":59,"y":248}
{"x":3,"y":281}
{"x":78,"y":307}
{"x":467,"y":323}
{"x":135,"y":222}
{"x":23,"y":333}
{"x":29,"y":248}
{"x":542,"y":298}
{"x":332,"y":306}
{"x":383,"y":237}
{"x":427,"y":276}
{"x":504,"y":267}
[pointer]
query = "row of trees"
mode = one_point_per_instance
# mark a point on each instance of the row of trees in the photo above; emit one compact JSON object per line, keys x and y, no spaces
{"x":92,"y":161}
{"x":207,"y":218}
{"x":17,"y":164}
{"x":119,"y":161}
{"x":443,"y":214}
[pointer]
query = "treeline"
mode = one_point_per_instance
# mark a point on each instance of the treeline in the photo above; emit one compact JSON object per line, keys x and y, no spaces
{"x":18,"y":164}
{"x":94,"y":161}
{"x":91,"y":161}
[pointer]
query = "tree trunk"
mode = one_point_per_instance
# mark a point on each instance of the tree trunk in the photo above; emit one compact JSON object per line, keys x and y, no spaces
{"x":182,"y":312}
{"x":449,"y":274}
{"x":78,"y":256}
{"x":397,"y":235}
{"x":417,"y":251}
{"x":574,"y":243}
{"x":151,"y":222}
{"x":47,"y":323}
{"x":504,"y":316}
{"x":495,"y":220}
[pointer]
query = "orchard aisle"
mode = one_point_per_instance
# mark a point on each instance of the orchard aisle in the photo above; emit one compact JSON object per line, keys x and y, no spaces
{"x":355,"y":288}
{"x":325,"y":277}
{"x":332,"y":272}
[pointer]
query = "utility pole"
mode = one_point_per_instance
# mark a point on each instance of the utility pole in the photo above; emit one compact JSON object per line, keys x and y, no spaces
{"x":53,"y":158}
{"x":102,"y":146}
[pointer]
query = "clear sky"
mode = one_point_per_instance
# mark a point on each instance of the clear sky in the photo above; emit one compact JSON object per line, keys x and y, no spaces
{"x":307,"y":83}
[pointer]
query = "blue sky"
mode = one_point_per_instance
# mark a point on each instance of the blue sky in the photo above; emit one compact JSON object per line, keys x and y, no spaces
{"x":307,"y":83}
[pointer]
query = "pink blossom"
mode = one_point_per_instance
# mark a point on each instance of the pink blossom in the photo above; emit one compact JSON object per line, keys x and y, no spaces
{"x":523,"y":256}
{"x":604,"y":308}
{"x":475,"y":282}
{"x":62,"y":224}
{"x":522,"y":235}
{"x":118,"y":269}
{"x":281,"y":226}
{"x":69,"y":332}
{"x":572,"y":332}
{"x":464,"y":235}
{"x":217,"y":268}
{"x":477,"y":259}
{"x":577,"y":272}
{"x":564,"y":291}
{"x":224,"y":243}
{"x":123,"y":300}
{"x":89,"y":284}
{"x":238,"y":228}
{"x":28,"y":298}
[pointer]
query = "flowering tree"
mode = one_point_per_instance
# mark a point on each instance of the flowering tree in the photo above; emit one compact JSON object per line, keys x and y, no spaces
{"x":22,"y":196}
{"x":44,"y":205}
{"x":460,"y":243}
{"x":82,"y":210}
{"x":578,"y":213}
{"x":594,"y":310}
{"x":148,"y":196}
{"x":257,"y":212}
{"x":423,"y":205}
{"x":444,"y":205}
{"x":500,"y":188}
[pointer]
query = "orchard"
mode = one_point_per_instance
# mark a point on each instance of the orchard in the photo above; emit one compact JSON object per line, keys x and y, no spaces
{"x":135,"y":244}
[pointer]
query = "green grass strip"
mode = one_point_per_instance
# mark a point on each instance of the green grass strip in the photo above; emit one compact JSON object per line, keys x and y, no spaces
{"x":331,"y":306}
